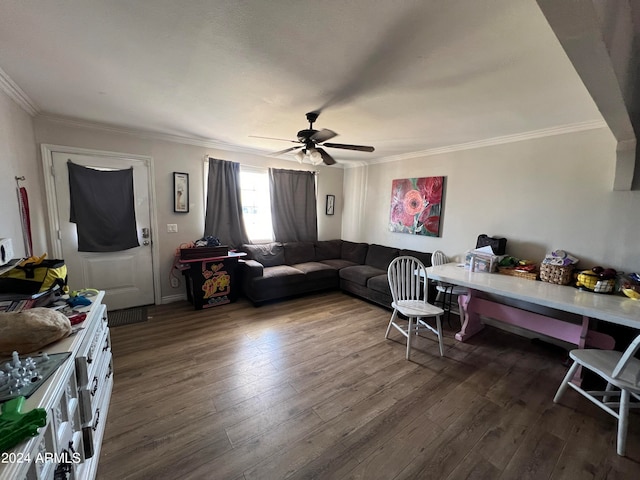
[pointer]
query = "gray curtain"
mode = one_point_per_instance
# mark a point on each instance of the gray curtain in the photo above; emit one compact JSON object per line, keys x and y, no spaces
{"x":223,"y":215}
{"x":293,"y":205}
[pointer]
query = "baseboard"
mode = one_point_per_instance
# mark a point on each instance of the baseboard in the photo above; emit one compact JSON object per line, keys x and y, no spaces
{"x":173,"y":298}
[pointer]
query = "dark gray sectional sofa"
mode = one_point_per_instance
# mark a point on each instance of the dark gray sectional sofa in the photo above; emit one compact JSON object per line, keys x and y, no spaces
{"x":278,"y":270}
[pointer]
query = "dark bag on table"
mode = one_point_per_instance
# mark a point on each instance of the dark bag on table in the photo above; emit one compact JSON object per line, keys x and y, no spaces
{"x":498,"y":245}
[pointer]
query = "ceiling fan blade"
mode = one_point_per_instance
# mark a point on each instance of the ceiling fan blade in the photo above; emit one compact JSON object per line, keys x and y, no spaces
{"x":326,"y":158}
{"x":386,"y":62}
{"x":344,"y":146}
{"x":272,"y":138}
{"x":323,"y":135}
{"x":286,"y":150}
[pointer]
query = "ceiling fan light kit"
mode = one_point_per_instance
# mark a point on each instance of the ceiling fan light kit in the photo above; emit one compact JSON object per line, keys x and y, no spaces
{"x":310,"y":139}
{"x":310,"y":155}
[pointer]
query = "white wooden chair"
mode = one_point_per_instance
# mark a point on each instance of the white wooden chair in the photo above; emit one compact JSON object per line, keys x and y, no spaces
{"x":446,"y":291}
{"x":621,"y":370}
{"x":408,"y":282}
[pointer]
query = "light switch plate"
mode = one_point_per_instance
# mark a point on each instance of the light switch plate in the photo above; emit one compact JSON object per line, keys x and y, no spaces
{"x":172,"y":228}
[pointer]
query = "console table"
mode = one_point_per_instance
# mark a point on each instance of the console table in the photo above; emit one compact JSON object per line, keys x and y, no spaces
{"x":76,"y":399}
{"x":609,"y":308}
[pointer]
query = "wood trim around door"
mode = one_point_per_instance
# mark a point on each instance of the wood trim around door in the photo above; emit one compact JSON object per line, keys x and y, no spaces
{"x":52,"y":203}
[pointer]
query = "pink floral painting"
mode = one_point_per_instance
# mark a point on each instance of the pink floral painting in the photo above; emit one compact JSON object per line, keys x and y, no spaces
{"x":416,"y":206}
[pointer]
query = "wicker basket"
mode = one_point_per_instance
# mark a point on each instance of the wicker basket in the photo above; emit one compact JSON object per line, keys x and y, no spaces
{"x":518,"y":273}
{"x":556,"y":274}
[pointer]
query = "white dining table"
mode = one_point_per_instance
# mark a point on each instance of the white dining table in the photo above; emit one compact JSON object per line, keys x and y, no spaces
{"x":611,"y":308}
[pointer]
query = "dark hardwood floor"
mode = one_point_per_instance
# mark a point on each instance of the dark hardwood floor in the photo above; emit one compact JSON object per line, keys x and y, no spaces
{"x":309,"y":388}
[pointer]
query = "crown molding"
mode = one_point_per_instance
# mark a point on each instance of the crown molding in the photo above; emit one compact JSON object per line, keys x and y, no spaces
{"x":149,"y":135}
{"x":208,"y":143}
{"x":14,"y":92}
{"x":346,"y":164}
{"x":518,"y":137}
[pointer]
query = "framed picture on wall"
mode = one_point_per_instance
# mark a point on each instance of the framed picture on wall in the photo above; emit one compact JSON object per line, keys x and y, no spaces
{"x":416,"y":205}
{"x":331,"y":204}
{"x":180,"y":192}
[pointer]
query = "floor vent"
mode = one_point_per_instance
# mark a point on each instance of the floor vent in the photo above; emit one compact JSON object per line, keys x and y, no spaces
{"x":127,"y":316}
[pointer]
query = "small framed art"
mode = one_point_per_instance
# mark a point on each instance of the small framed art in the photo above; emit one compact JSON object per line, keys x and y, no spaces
{"x":331,"y":204}
{"x":180,"y":192}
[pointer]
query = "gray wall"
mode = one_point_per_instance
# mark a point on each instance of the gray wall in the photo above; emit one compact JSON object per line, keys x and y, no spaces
{"x":20,"y":139}
{"x":541,"y":194}
{"x":171,"y":156}
{"x":18,"y":157}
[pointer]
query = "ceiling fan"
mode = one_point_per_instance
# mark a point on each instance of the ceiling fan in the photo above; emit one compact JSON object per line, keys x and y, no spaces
{"x":312,"y":141}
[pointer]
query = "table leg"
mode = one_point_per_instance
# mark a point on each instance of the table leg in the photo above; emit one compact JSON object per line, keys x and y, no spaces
{"x":577,"y":377}
{"x":471,"y":323}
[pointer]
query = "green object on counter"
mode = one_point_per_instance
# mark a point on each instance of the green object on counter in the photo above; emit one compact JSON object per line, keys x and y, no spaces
{"x":15,"y":426}
{"x":508,"y":262}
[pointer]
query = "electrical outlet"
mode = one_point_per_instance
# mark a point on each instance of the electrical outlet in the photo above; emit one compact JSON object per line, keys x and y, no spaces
{"x":175,"y":283}
{"x":172,"y":228}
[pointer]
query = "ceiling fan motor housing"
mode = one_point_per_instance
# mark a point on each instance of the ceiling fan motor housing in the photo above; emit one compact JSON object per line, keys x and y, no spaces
{"x":312,"y":116}
{"x":304,"y":136}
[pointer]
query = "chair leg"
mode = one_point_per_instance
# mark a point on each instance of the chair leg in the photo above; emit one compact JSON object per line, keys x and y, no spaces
{"x":447,"y":308}
{"x":609,"y":388}
{"x":565,"y":382}
{"x":623,"y":418}
{"x":409,"y":328}
{"x":394,"y":316}
{"x":439,"y":298}
{"x":439,"y":327}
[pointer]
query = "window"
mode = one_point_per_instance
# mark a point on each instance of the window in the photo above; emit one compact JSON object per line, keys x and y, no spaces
{"x":256,"y":203}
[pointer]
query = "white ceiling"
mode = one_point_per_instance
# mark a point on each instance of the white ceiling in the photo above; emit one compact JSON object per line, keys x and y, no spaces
{"x":404,"y":76}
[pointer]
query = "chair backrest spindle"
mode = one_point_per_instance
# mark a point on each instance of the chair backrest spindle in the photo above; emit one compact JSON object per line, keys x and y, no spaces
{"x":439,"y":258}
{"x":407,"y":279}
{"x":626,"y":357}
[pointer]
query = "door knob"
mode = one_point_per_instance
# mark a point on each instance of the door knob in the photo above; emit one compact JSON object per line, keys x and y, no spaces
{"x":145,"y":242}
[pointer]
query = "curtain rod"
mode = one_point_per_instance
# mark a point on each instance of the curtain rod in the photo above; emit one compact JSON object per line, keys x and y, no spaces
{"x":317,"y":172}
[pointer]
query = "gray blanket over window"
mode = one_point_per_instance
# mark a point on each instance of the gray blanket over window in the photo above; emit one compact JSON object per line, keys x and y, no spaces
{"x":103,"y":208}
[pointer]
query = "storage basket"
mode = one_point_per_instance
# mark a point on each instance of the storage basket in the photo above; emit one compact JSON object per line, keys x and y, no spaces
{"x":557,"y":274}
{"x":518,"y":273}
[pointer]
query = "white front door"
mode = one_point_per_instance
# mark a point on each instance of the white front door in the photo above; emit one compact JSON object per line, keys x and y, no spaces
{"x":126,"y":276}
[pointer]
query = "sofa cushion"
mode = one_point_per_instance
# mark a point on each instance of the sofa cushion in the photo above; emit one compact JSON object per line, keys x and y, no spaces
{"x":328,"y":249}
{"x":299,"y":252}
{"x":268,"y":254}
{"x":316,"y":270}
{"x":280,"y":275}
{"x":380,"y":256}
{"x":338,"y":263}
{"x":360,"y":273}
{"x":354,"y":252}
{"x":251,"y":268}
{"x":379,"y":283}
{"x":422,"y":256}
